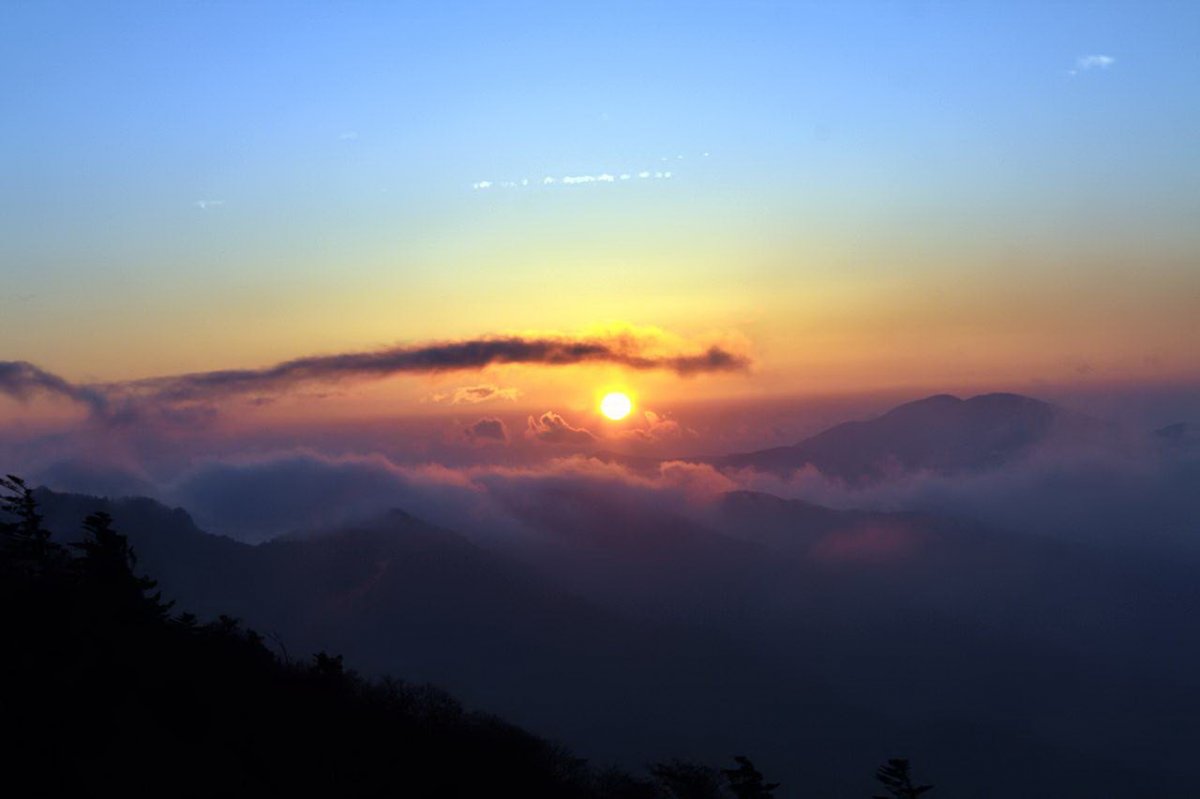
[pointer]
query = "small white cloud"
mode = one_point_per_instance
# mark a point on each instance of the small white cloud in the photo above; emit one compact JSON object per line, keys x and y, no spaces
{"x":1091,"y":61}
{"x":482,"y":184}
{"x":204,"y":205}
{"x":1086,"y":62}
{"x":348,"y":135}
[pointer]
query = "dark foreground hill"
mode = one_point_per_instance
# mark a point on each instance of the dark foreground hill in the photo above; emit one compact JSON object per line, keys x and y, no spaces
{"x":106,"y":690}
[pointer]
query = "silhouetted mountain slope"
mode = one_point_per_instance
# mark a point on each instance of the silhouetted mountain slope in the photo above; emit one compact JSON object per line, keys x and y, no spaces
{"x":104,"y":693}
{"x":941,"y":433}
{"x":397,"y":593}
{"x":401,"y":596}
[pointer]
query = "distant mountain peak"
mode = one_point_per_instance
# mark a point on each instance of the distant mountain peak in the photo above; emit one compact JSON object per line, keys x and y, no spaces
{"x":941,"y":433}
{"x":1003,"y":399}
{"x":933,"y":400}
{"x":980,"y":403}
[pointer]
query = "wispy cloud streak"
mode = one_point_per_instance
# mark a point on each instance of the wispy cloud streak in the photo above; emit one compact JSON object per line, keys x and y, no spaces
{"x":476,"y":394}
{"x":615,"y":177}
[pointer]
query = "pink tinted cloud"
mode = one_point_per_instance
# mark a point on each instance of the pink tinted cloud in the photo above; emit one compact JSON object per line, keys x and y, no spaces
{"x":872,"y":543}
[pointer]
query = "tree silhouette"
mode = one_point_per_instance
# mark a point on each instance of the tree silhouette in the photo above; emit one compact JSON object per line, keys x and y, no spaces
{"x":106,"y":568}
{"x":746,"y":782}
{"x":897,"y":780}
{"x":26,"y":542}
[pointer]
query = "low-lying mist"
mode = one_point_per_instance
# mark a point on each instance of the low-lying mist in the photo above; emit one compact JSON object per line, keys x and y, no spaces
{"x":1036,"y":610}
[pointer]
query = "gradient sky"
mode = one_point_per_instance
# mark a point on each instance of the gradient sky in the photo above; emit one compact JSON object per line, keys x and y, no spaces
{"x":864,"y":195}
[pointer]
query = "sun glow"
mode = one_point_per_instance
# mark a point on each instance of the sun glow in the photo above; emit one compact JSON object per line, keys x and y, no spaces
{"x":616,"y":405}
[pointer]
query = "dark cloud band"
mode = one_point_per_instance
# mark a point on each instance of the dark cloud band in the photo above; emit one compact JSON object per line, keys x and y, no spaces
{"x":450,"y":356}
{"x":21,"y":380}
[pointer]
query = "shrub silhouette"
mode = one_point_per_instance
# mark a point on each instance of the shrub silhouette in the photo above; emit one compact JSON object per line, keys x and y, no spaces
{"x":679,"y":779}
{"x":896,"y":779}
{"x":746,"y":782}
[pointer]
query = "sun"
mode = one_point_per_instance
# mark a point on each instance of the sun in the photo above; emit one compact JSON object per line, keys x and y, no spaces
{"x":616,"y":405}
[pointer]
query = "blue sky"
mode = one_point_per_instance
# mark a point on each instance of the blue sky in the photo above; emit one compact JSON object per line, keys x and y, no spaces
{"x":168,"y":165}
